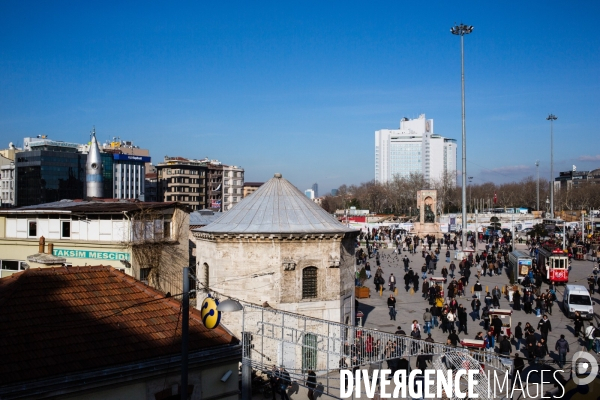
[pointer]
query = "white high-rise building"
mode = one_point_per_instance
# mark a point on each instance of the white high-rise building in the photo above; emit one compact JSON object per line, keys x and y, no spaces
{"x":309,"y":193}
{"x":414,"y":148}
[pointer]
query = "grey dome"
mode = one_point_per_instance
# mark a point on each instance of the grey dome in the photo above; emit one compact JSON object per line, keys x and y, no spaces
{"x":276,"y":207}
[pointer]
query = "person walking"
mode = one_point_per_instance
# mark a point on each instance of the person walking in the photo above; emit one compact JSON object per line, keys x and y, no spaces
{"x":578,"y":323}
{"x":311,"y":384}
{"x":462,"y":320}
{"x":518,"y":367}
{"x":284,"y":383}
{"x":517,"y":301}
{"x":475,"y":306}
{"x":405,"y":261}
{"x":477,"y":288}
{"x":590,"y":336}
{"x":392,"y":282}
{"x":544,"y":327}
{"x":518,"y":336}
{"x":505,"y":347}
{"x":562,"y":348}
{"x":391,"y":302}
{"x":427,"y":318}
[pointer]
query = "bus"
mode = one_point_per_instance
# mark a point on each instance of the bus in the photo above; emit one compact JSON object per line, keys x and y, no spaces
{"x":553,"y":225}
{"x":520,"y":262}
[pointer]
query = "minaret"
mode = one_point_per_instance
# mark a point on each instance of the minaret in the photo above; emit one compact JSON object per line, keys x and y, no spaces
{"x":93,"y":170}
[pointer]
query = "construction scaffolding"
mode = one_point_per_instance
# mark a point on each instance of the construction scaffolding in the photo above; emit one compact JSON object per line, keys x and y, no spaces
{"x":273,"y":338}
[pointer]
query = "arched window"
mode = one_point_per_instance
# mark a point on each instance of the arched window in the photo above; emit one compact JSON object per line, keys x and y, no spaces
{"x":206,"y":273}
{"x":309,"y":283}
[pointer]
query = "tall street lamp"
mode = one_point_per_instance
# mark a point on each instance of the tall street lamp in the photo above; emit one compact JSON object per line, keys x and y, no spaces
{"x":471,"y":193}
{"x":551,"y":118}
{"x":462,"y":30}
{"x":537,"y":185}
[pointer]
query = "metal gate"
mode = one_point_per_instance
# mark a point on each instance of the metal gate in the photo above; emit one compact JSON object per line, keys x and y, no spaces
{"x":274,"y":338}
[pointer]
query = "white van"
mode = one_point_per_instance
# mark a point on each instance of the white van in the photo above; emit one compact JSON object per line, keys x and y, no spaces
{"x":577,"y":298}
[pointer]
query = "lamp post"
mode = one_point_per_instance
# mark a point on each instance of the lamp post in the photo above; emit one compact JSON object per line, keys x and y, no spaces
{"x":551,"y":118}
{"x":462,"y":30}
{"x":471,"y":193}
{"x":537,"y":185}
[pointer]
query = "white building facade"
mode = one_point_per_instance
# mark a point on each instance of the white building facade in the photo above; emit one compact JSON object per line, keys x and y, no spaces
{"x":233,"y":186}
{"x":129,"y":172}
{"x":414,"y":148}
{"x":7,"y":184}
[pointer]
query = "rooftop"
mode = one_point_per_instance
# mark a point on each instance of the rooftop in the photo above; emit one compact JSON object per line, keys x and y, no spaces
{"x":276,"y":207}
{"x":57,"y":321}
{"x":93,"y":206}
{"x":203,"y":217}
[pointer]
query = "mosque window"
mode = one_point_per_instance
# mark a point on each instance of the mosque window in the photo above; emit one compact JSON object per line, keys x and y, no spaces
{"x":309,"y":283}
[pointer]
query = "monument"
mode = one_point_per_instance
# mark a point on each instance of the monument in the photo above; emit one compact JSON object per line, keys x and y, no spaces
{"x":427,"y":220}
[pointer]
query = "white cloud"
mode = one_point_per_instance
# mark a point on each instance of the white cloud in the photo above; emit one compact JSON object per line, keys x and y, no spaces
{"x":511,"y":169}
{"x":589,"y":158}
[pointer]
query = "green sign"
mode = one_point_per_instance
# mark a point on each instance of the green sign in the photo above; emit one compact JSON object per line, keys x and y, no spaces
{"x":94,"y":254}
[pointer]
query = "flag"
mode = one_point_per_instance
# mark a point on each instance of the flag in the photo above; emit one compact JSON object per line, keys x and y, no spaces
{"x":495,"y":198}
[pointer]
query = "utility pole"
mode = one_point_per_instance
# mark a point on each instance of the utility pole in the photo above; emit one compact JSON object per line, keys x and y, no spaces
{"x":462,"y":30}
{"x":537,"y":185}
{"x":552,"y":118}
{"x":185,"y":315}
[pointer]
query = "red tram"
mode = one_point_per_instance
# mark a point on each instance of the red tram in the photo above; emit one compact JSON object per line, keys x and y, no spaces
{"x":554,"y":263}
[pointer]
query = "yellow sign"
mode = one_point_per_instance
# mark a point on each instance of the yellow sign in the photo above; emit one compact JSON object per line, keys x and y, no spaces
{"x":211,"y":317}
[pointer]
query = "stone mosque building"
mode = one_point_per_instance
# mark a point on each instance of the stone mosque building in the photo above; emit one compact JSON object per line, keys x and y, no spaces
{"x":278,"y":247}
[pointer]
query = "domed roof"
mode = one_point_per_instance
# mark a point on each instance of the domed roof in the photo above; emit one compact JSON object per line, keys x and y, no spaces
{"x":276,"y":207}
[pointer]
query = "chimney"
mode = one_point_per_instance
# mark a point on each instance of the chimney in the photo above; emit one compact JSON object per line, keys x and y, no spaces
{"x":41,"y":245}
{"x":50,"y":248}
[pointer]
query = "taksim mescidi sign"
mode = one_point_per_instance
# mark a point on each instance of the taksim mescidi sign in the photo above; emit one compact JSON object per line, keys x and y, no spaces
{"x":94,"y":254}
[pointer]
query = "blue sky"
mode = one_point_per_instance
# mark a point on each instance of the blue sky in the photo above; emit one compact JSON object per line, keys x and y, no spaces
{"x":300,"y":87}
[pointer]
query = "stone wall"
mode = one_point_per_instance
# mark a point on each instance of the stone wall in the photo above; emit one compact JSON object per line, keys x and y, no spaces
{"x":259,"y":269}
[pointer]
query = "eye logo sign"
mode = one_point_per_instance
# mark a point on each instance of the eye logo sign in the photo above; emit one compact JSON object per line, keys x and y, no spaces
{"x":582,"y":367}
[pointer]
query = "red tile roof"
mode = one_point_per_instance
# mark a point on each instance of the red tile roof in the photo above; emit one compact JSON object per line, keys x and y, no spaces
{"x":56,"y":321}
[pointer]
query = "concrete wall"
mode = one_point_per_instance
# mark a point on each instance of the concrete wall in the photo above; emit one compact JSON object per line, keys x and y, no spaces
{"x":207,"y":385}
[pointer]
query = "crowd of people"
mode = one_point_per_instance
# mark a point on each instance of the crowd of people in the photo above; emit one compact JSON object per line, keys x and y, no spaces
{"x":447,"y":312}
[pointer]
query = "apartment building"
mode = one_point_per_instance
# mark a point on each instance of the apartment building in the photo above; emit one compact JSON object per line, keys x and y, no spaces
{"x":183,"y":180}
{"x":233,"y":186}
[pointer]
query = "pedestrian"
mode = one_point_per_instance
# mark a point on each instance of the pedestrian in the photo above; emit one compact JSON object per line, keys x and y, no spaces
{"x":590,"y":336}
{"x":540,"y":352}
{"x":485,"y":315}
{"x":311,"y":384}
{"x":518,"y":336}
{"x":497,"y":325}
{"x":405,"y":261}
{"x":475,"y":306}
{"x":544,"y":327}
{"x":427,"y":318}
{"x":447,"y":256}
{"x":578,"y":323}
{"x":496,"y":295}
{"x":368,"y":270}
{"x":518,"y":366}
{"x":453,"y":338}
{"x":392,"y":282}
{"x":562,"y":348}
{"x":391,"y":302}
{"x":284,"y":383}
{"x":477,"y":288}
{"x":488,"y":300}
{"x":505,"y":347}
{"x":517,"y":301}
{"x":462,"y":320}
